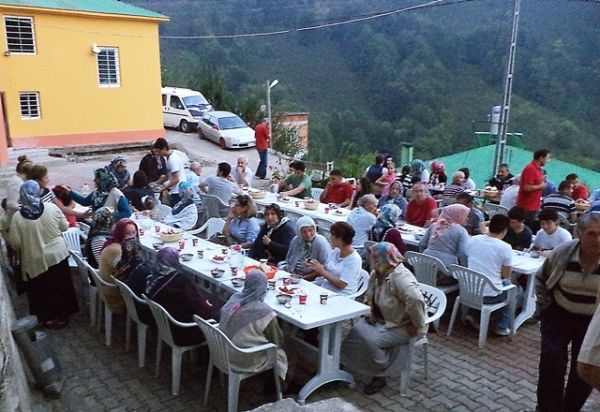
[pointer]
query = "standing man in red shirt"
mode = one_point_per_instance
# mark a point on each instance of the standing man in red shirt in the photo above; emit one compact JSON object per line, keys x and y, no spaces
{"x":337,"y":191}
{"x":261,"y":134}
{"x":532,"y":186}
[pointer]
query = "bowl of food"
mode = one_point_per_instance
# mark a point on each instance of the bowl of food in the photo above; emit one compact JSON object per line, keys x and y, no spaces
{"x":171,"y":235}
{"x":238,"y":282}
{"x":295,"y":279}
{"x":269,"y":270}
{"x":158,"y":245}
{"x":186,"y":257}
{"x":217,"y":273}
{"x":282,"y":298}
{"x":311,"y":204}
{"x":257,"y":194}
{"x":219,"y":259}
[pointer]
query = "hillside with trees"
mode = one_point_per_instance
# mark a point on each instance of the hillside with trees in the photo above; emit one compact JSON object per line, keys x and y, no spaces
{"x":428,"y":76}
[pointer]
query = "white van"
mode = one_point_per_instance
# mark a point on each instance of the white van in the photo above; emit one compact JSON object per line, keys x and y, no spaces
{"x":183,"y":108}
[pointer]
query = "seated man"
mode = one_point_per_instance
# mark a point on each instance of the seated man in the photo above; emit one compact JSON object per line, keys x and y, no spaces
{"x":362,"y":219}
{"x":421,"y":207}
{"x":503,"y":178}
{"x":219,"y":185}
{"x":562,"y":202}
{"x":551,"y":234}
{"x":475,"y":218}
{"x":242,"y":175}
{"x":518,"y":235}
{"x":297,"y":183}
{"x":192,"y":175}
{"x":155,"y":167}
{"x":457,"y":186}
{"x":337,"y":191}
{"x":580,"y":191}
{"x":491,"y":256}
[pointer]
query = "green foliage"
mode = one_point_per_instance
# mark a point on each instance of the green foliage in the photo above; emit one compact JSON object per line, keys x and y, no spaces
{"x":285,"y":138}
{"x":354,"y":165}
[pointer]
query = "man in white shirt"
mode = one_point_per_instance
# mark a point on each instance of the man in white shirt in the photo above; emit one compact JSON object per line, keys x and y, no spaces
{"x":175,"y":169}
{"x":242,"y":175}
{"x":551,"y":235}
{"x":509,"y":194}
{"x":362,"y":219}
{"x":490,"y":255}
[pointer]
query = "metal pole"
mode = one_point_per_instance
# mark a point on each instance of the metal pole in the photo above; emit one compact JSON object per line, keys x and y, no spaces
{"x":269,"y":112}
{"x":505,"y":108}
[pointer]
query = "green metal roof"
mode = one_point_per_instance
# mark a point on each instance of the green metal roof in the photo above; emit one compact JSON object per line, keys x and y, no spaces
{"x":480,"y":162}
{"x":90,"y":6}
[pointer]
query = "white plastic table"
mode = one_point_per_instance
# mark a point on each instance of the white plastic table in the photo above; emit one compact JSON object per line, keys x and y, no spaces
{"x":524,"y":264}
{"x":328,"y":318}
{"x":334,"y":215}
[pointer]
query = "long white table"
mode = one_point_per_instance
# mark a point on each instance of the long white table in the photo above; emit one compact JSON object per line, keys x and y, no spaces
{"x":328,"y":318}
{"x":524,"y":264}
{"x":334,"y":215}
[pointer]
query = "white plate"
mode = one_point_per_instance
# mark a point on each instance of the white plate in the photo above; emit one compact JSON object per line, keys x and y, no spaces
{"x":217,"y":261}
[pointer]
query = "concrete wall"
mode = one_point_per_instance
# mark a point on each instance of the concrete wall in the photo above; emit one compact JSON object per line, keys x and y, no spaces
{"x":14,"y":390}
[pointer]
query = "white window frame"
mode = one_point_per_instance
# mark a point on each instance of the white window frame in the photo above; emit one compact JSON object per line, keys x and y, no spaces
{"x":117,"y":68}
{"x":32,"y":35}
{"x":32,"y":97}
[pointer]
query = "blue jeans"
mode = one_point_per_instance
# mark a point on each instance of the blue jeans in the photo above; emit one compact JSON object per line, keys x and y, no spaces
{"x":261,"y":170}
{"x":504,"y":321}
{"x":560,"y":327}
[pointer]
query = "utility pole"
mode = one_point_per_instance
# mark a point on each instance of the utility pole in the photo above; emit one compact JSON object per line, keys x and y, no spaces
{"x":508,"y":83}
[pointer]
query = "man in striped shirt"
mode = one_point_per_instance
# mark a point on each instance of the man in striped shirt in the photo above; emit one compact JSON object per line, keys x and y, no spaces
{"x":562,"y":202}
{"x":566,"y":287}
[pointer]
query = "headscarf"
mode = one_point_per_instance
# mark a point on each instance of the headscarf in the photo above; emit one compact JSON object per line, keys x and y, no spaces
{"x":131,"y":257}
{"x":32,"y":206}
{"x":167,"y":260}
{"x":106,"y":182}
{"x":388,"y":216}
{"x":282,"y":219}
{"x":437,"y":167}
{"x":455,"y":214}
{"x":246,"y":306}
{"x":186,"y":191}
{"x":122,"y":176}
{"x":118,"y":233}
{"x":104,"y":220}
{"x":305,"y":221}
{"x":417,"y":167}
{"x":384,"y":252}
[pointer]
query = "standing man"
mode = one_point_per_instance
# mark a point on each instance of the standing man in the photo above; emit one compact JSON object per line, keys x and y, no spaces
{"x":242,"y":174}
{"x":532,"y":186}
{"x":175,"y":169}
{"x":155,"y":167}
{"x":566,"y":287}
{"x":261,"y":134}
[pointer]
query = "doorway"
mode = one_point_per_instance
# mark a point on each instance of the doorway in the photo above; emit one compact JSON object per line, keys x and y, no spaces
{"x":5,"y":120}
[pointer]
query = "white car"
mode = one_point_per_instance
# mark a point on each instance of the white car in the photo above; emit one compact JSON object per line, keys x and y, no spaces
{"x":227,"y":129}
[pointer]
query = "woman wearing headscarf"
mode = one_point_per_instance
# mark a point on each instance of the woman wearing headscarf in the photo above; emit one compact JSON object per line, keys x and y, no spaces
{"x":418,"y":171}
{"x":438,"y":174}
{"x":179,"y":217}
{"x":106,"y":194}
{"x":250,"y":322}
{"x":36,"y":233}
{"x":446,"y":239}
{"x":273,"y":240}
{"x":118,"y":167}
{"x":306,"y":245}
{"x":384,"y":229}
{"x":395,"y":197}
{"x":110,"y":257}
{"x":181,"y":297}
{"x":397,"y":316}
{"x":100,"y":231}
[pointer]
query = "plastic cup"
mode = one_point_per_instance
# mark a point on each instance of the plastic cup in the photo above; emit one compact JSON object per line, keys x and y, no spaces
{"x":326,"y":210}
{"x":302,"y":298}
{"x":323,"y":298}
{"x":157,"y":229}
{"x":181,"y":244}
{"x":234,"y":270}
{"x":287,"y":281}
{"x":271,"y":284}
{"x":200,"y":254}
{"x":194,"y":242}
{"x":297,"y":203}
{"x":142,"y":232}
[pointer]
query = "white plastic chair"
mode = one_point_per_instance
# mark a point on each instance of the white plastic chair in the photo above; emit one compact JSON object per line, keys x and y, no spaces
{"x":163,"y":322}
{"x":293,"y":216}
{"x":492,"y":209}
{"x":316,"y":192}
{"x":84,"y":230}
{"x":211,"y":226}
{"x":214,"y":206}
{"x":162,"y":212}
{"x":471,"y":285}
{"x":186,"y":219}
{"x":362,"y":285}
{"x":101,"y":284}
{"x":92,"y":290}
{"x":130,"y":300}
{"x":324,"y":227}
{"x":73,"y":240}
{"x":426,"y":269}
{"x":220,"y":347}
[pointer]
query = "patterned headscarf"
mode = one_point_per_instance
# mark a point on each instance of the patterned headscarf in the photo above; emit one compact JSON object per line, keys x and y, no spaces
{"x":167,"y":260}
{"x":417,"y":166}
{"x":122,"y":176}
{"x":246,"y":306}
{"x":386,"y":253}
{"x":437,"y":167}
{"x":388,"y":216}
{"x":186,"y":191}
{"x":455,"y":214}
{"x":32,"y":206}
{"x":104,"y":218}
{"x":106,"y":182}
{"x":131,"y":257}
{"x":119,"y":232}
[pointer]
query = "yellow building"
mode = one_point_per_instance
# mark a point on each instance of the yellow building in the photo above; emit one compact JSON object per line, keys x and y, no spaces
{"x":78,"y":72}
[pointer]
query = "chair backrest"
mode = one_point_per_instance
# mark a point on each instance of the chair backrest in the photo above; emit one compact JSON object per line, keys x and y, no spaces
{"x":214,"y":206}
{"x":492,"y":209}
{"x":219,"y":344}
{"x":435,"y":302}
{"x":323,"y":227}
{"x":81,"y":267}
{"x":316,"y":192}
{"x":471,"y":284}
{"x":362,"y":285}
{"x":293,"y":216}
{"x":84,"y":230}
{"x":448,"y":200}
{"x":130,"y":299}
{"x":100,"y":283}
{"x":162,"y":211}
{"x":188,"y":217}
{"x":425,"y":267}
{"x":214,"y":225}
{"x":163,"y":320}
{"x":72,"y":239}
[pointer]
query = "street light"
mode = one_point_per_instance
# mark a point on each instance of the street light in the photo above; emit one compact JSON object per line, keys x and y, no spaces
{"x":269,"y":86}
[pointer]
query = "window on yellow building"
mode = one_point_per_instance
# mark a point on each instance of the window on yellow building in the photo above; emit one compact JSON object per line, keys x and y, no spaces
{"x":108,"y":67}
{"x":30,"y":105}
{"x":20,"y":37}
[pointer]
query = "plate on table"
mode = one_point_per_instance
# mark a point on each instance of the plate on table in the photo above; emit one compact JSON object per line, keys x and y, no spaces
{"x":289,"y":290}
{"x":339,"y":212}
{"x":219,"y":259}
{"x":269,"y":270}
{"x":285,"y":199}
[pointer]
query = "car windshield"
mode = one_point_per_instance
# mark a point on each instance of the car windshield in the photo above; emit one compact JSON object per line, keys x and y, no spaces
{"x":196,"y":100}
{"x":233,"y":122}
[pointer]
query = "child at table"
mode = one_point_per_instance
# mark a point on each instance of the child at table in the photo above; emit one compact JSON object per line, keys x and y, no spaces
{"x":551,"y":234}
{"x":518,"y":235}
